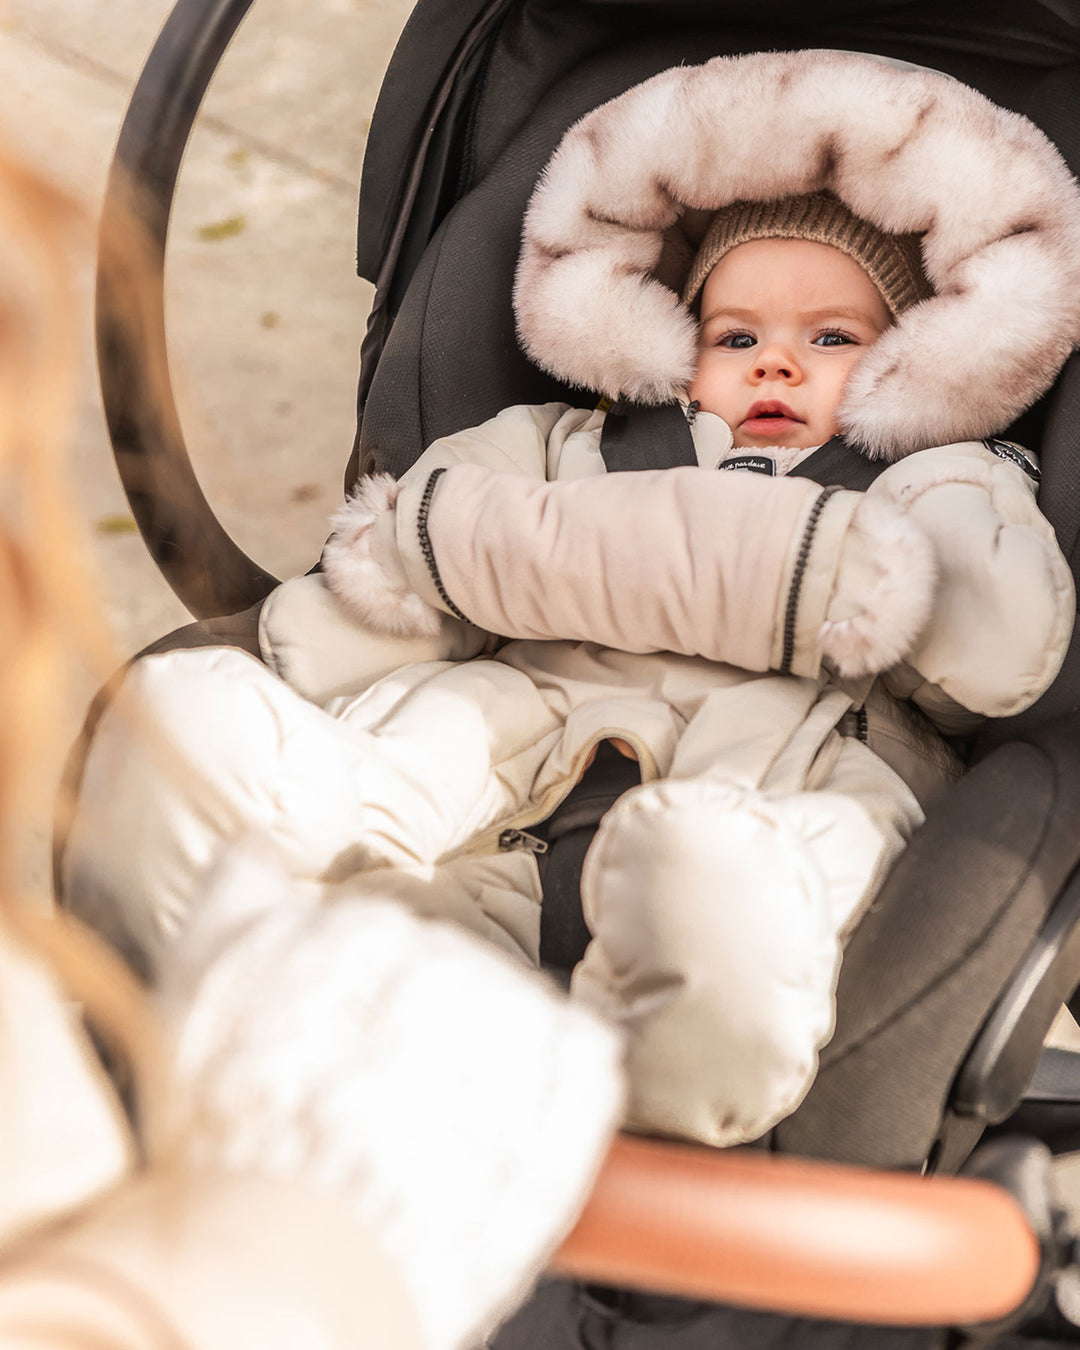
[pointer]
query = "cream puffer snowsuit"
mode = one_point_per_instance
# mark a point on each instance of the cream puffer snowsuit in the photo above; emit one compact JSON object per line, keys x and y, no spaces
{"x":720,"y":892}
{"x":695,"y":607}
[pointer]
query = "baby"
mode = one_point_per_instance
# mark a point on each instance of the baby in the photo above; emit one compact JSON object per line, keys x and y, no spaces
{"x":780,"y":655}
{"x":720,"y":892}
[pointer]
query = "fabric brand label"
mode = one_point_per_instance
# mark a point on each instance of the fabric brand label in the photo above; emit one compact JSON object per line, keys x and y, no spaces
{"x":751,"y":463}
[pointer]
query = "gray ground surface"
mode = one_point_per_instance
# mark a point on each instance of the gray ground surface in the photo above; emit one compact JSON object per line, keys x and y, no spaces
{"x":265,"y":312}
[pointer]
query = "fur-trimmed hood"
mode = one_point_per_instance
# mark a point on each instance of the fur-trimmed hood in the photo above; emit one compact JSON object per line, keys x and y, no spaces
{"x":610,"y":229}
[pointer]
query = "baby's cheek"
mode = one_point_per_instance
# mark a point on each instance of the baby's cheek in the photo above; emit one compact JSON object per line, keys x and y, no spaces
{"x":707,"y":390}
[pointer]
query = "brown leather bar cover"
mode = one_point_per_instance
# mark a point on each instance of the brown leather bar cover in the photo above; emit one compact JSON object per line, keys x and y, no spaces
{"x":801,"y":1237}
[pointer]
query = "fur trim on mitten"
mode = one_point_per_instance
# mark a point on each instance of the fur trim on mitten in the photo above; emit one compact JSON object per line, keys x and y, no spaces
{"x":453,"y":1099}
{"x":363,"y":568}
{"x":884,"y":592}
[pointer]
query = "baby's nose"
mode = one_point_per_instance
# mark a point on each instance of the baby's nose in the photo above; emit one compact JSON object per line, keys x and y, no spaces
{"x":776,"y":362}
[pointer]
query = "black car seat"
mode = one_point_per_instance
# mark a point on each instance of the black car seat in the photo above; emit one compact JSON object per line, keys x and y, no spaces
{"x":442,"y":355}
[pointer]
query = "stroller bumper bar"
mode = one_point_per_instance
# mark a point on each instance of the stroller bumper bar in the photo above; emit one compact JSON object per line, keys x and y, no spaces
{"x":822,"y":1240}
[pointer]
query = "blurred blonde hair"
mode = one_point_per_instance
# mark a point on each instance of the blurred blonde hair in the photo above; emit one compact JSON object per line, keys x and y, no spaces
{"x":50,"y":618}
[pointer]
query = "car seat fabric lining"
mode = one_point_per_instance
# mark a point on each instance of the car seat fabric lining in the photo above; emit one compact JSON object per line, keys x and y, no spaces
{"x":958,"y":909}
{"x":537,"y":41}
{"x":437,"y":39}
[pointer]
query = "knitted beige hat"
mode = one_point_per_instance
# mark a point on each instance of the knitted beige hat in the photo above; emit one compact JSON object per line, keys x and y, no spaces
{"x":893,"y":262}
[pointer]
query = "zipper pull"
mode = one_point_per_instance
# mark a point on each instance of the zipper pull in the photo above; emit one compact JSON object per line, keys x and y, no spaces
{"x":510,"y":839}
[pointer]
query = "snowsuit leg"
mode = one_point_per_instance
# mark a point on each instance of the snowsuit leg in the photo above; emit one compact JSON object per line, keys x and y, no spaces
{"x":198,"y":751}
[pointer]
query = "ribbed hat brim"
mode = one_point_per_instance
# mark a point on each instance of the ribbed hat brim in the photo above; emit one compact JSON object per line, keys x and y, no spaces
{"x":893,"y":262}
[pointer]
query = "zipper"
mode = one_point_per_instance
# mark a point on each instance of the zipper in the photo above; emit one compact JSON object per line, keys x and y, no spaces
{"x":797,"y":572}
{"x":520,"y":839}
{"x":426,"y":547}
{"x":856,"y":724}
{"x":516,"y":835}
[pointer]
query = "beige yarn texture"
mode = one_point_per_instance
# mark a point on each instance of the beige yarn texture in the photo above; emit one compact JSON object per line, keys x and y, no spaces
{"x":893,"y":262}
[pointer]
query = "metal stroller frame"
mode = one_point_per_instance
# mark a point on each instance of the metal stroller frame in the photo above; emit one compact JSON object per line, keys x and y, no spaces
{"x":1005,"y":1082}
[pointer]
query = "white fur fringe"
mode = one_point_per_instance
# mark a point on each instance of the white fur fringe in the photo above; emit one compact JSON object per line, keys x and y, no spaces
{"x":885,"y":591}
{"x":363,"y":568}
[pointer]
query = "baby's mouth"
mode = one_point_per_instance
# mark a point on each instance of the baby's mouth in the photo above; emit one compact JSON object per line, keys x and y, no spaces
{"x":768,"y":418}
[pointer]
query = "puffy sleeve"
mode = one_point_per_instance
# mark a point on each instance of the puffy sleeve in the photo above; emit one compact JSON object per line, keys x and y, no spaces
{"x":337,"y":631}
{"x":762,"y":573}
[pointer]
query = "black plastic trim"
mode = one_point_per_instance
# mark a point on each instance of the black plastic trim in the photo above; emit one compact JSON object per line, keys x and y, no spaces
{"x":1050,"y":1110}
{"x":996,"y":1073}
{"x":208,"y":571}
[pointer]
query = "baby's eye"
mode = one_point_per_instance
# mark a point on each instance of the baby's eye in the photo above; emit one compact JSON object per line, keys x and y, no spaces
{"x":834,"y":337}
{"x":738,"y":341}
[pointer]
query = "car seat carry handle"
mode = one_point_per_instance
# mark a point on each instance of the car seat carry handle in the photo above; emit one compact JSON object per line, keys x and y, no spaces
{"x":208,"y":571}
{"x":808,"y":1238}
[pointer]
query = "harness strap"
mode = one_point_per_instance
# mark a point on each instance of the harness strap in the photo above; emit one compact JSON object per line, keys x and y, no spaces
{"x":636,"y":437}
{"x":836,"y":464}
{"x":564,"y":934}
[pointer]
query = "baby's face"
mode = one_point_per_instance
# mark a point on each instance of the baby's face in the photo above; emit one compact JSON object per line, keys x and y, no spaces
{"x":783,"y":323}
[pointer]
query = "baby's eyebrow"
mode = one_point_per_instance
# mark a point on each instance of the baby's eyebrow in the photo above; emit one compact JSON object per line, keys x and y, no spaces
{"x":837,"y":312}
{"x":728,"y":312}
{"x":852,"y":312}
